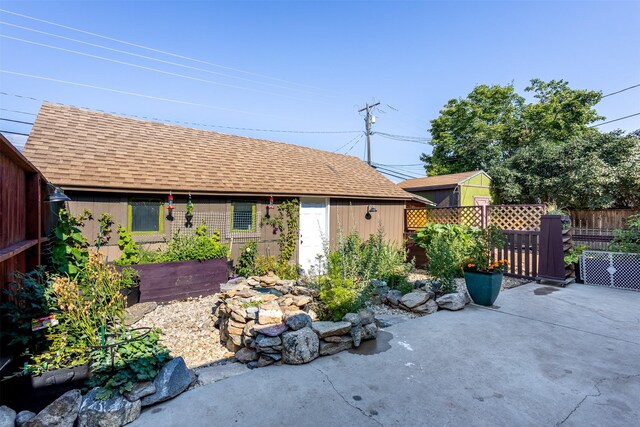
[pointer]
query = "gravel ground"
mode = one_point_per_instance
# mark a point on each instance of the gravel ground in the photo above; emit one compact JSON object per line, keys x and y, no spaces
{"x":507,"y":282}
{"x":188,"y":331}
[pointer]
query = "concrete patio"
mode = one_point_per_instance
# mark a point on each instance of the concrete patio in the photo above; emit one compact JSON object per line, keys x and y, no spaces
{"x":546,"y":356}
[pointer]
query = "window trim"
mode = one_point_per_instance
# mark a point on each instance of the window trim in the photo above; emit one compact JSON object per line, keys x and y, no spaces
{"x":254,"y":208}
{"x":130,"y":217}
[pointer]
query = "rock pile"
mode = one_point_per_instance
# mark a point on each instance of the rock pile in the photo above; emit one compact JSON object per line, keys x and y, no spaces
{"x":423,"y":300}
{"x":73,"y":409}
{"x":266,"y":320}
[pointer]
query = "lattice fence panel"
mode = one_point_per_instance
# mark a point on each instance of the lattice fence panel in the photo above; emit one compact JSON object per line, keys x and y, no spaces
{"x":416,"y":218}
{"x":463,"y":215}
{"x":612,"y":269}
{"x":220,"y":221}
{"x":516,"y":217}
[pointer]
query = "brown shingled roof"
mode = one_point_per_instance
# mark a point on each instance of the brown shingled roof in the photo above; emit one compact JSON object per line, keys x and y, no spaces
{"x":440,"y":181}
{"x":77,"y":148}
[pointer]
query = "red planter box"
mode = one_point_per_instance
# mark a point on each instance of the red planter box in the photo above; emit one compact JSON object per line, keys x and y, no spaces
{"x":168,"y":281}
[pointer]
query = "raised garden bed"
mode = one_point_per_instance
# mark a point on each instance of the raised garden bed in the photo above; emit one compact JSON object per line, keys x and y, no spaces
{"x":169,"y":281}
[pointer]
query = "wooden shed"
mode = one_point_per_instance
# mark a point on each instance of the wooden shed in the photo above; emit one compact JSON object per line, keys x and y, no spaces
{"x":458,"y":189}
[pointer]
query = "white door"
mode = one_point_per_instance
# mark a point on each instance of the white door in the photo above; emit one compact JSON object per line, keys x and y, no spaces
{"x":314,"y":228}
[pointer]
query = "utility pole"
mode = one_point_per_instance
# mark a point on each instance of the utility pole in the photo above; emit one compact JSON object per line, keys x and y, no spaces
{"x":368,"y":122}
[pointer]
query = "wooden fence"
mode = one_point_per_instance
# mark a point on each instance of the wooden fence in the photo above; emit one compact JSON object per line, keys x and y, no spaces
{"x":22,"y":191}
{"x":521,"y":224}
{"x":595,"y":227}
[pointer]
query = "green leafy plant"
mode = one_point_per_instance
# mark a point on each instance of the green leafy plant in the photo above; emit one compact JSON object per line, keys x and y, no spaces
{"x":247,"y":260}
{"x":573,"y":255}
{"x":130,"y":277}
{"x":127,"y":358}
{"x":26,"y":298}
{"x":341,"y":296}
{"x":481,"y":255}
{"x":199,"y":246}
{"x":105,"y":223}
{"x":287,"y":223}
{"x":130,"y":251}
{"x":628,"y":239}
{"x":404,"y":287}
{"x":70,"y":250}
{"x":444,"y":262}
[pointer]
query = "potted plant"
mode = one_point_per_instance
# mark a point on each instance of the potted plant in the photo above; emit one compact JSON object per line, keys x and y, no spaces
{"x":573,"y":258}
{"x":130,"y":285}
{"x":189,"y":215}
{"x":482,"y":273}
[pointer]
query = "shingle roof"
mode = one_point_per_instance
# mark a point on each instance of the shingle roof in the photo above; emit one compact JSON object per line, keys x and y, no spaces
{"x":77,"y":148}
{"x":440,"y":181}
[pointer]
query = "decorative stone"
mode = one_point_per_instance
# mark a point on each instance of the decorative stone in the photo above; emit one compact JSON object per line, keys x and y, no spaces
{"x":352,"y":318}
{"x":393,"y":297}
{"x":252,"y":282}
{"x":252,"y":313}
{"x":329,"y":348}
{"x":356,"y":335}
{"x":421,"y":283}
{"x":298,"y":320}
{"x":235,"y":316}
{"x":269,"y":279}
{"x":327,"y":329}
{"x":22,"y":418}
{"x":265,"y":361}
{"x":366,"y":316}
{"x":369,"y":331}
{"x":62,"y":412}
{"x":140,"y":390}
{"x":248,"y":330}
{"x":302,"y":300}
{"x":246,"y":355}
{"x":414,"y":299}
{"x":7,"y":416}
{"x":271,"y":330}
{"x":275,"y":356}
{"x":455,"y":301}
{"x":263,"y":341}
{"x":301,"y":346}
{"x":114,"y":412}
{"x":268,"y":313}
{"x":313,"y":315}
{"x":427,"y":308}
{"x":173,"y":379}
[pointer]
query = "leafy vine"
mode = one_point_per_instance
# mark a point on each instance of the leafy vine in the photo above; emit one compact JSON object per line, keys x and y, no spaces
{"x":287,"y":222}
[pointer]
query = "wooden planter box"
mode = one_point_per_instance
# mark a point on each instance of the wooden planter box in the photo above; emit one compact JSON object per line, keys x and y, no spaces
{"x":168,"y":281}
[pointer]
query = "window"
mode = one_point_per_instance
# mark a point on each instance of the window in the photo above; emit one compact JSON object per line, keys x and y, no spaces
{"x":243,"y":216}
{"x":145,"y":217}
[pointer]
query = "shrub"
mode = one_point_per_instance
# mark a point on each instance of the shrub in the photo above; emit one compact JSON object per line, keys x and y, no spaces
{"x":627,"y":240}
{"x":444,"y":262}
{"x":198,"y":246}
{"x":459,"y":237}
{"x":130,"y":251}
{"x":247,"y":260}
{"x":342,"y":296}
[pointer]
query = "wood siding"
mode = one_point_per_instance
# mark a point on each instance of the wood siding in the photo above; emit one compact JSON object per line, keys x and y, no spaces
{"x":349,"y":215}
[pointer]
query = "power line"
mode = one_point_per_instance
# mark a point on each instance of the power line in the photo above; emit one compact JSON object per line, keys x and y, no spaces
{"x":411,"y":164}
{"x":155,"y":50}
{"x":178,"y":121}
{"x":390,"y":174}
{"x":353,"y":145}
{"x":406,"y":175}
{"x":621,"y":90}
{"x":404,"y":138}
{"x":615,"y":120}
{"x":153,"y":59}
{"x":142,"y":67}
{"x":17,"y":112}
{"x":350,"y":141}
{"x":14,"y":133}
{"x":16,"y":121}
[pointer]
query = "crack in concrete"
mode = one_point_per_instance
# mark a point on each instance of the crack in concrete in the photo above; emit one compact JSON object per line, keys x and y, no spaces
{"x":345,"y":400}
{"x":595,"y":384}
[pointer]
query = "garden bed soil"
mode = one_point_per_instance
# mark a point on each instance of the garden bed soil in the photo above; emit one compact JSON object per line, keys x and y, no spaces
{"x":187,"y":330}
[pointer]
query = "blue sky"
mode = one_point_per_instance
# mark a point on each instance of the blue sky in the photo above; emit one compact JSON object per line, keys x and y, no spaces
{"x":322,"y":61}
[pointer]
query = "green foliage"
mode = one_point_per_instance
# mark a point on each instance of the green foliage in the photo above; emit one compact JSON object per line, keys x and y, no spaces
{"x":404,"y":287}
{"x":628,"y":239}
{"x":70,"y":248}
{"x":133,"y":358}
{"x":105,"y":222}
{"x":573,"y":255}
{"x":543,"y":150}
{"x":266,"y":264}
{"x":481,"y":254}
{"x":287,"y":223}
{"x":444,"y":261}
{"x":198,"y":246}
{"x":247,"y":260}
{"x":26,"y":298}
{"x":130,"y":251}
{"x":129,"y":277}
{"x":342,"y":296}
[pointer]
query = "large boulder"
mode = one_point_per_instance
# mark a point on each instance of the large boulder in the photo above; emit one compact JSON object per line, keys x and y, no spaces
{"x":298,"y":320}
{"x":22,"y":418}
{"x":7,"y":416}
{"x":173,"y":379}
{"x":366,"y":316}
{"x":415,"y":298}
{"x":454,"y":301}
{"x":62,"y":412}
{"x":427,"y":308}
{"x":114,"y":412}
{"x":246,"y":355}
{"x":327,"y":329}
{"x":393,"y":297}
{"x":301,"y":346}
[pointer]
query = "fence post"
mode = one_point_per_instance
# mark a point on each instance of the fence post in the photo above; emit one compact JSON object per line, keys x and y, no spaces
{"x":551,"y":251}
